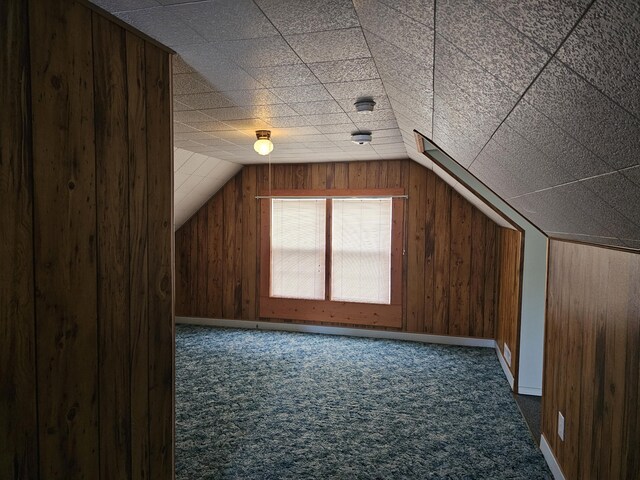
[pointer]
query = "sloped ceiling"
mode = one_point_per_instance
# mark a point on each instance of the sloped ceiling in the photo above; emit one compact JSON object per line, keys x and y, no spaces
{"x":539,"y":99}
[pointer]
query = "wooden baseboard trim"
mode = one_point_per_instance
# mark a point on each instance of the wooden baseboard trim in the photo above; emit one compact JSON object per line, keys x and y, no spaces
{"x":554,"y":466}
{"x":351,"y":332}
{"x":503,"y":364}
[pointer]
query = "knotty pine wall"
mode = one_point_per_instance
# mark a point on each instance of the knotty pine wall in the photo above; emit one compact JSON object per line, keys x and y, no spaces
{"x":452,"y":264}
{"x":592,"y":360}
{"x":86,"y":308}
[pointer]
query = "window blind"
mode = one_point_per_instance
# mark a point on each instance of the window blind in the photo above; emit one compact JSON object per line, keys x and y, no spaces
{"x":361,"y":250}
{"x":298,"y":248}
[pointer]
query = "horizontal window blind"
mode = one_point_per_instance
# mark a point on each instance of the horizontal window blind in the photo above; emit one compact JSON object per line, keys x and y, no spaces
{"x":361,"y":250}
{"x":298,"y":230}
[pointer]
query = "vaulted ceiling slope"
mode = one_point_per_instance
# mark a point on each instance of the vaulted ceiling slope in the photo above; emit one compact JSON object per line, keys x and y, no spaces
{"x":539,"y":99}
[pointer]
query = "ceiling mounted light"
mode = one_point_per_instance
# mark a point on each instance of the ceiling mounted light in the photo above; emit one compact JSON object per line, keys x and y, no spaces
{"x":361,"y":138}
{"x":364,"y":105}
{"x":263,"y":145}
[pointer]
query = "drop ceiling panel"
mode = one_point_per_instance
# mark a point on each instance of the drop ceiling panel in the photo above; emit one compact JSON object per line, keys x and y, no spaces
{"x":604,"y":49}
{"x":547,"y":133}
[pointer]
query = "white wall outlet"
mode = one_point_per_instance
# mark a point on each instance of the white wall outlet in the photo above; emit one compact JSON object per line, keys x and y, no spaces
{"x":561,"y":426}
{"x":507,"y":354}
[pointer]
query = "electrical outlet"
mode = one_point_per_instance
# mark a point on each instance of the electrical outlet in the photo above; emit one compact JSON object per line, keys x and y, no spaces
{"x":561,"y":426}
{"x":507,"y":354}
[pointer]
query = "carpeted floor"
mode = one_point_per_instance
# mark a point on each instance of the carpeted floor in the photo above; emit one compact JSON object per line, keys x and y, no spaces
{"x":275,"y":405}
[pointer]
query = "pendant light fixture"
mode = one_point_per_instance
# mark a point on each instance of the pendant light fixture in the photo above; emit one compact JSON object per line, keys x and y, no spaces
{"x":263,"y":144}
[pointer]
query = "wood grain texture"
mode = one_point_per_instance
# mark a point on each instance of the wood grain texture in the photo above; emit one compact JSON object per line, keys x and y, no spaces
{"x":592,"y":364}
{"x":508,"y":294}
{"x":160,"y":234}
{"x":112,"y":199}
{"x":18,"y":416}
{"x":139,"y":258}
{"x":89,"y":392}
{"x":432,"y":230}
{"x":66,"y":269}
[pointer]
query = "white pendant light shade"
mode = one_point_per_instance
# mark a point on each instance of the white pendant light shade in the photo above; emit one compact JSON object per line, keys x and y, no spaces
{"x":263,"y":145}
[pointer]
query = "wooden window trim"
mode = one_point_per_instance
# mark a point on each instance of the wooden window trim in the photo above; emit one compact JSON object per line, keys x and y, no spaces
{"x":326,"y":310}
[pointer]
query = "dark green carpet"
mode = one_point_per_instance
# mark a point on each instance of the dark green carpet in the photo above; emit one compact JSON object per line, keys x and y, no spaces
{"x":274,"y":405}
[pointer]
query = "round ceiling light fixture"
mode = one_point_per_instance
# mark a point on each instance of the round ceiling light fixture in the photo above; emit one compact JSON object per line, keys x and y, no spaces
{"x":263,"y":144}
{"x":365,"y":105}
{"x":361,"y":138}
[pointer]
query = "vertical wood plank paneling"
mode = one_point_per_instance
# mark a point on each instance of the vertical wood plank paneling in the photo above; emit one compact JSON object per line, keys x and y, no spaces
{"x":432,"y":228}
{"x":442,"y":258}
{"x":18,"y":420}
{"x":200,"y":299}
{"x":215,"y":261}
{"x":460,"y":265}
{"x":112,"y":199}
{"x":65,"y":239}
{"x":429,"y":250}
{"x":229,"y":251}
{"x":139,"y":260}
{"x":489,"y":301}
{"x":237,"y":245}
{"x":591,"y":368}
{"x":415,"y":303}
{"x":249,"y":238}
{"x":477,"y":284}
{"x":160,"y":234}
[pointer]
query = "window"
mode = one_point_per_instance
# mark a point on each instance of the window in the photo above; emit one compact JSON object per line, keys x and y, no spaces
{"x":334,"y":259}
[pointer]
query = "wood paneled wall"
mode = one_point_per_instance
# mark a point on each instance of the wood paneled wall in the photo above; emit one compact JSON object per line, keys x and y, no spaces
{"x":510,"y":251}
{"x":451,"y":264}
{"x":592,"y":360}
{"x":86,"y":284}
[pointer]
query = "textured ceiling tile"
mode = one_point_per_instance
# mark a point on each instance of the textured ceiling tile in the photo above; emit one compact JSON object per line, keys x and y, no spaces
{"x":587,"y":115}
{"x":161,"y":25}
{"x":180,"y":66}
{"x":546,"y":22}
{"x":258,"y":52}
{"x":283,"y":75}
{"x":225,"y":19}
{"x":327,"y":118}
{"x":355,"y":90}
{"x":489,"y":169}
{"x":304,"y":16}
{"x":345,"y":127}
{"x":418,"y":101}
{"x":302,"y":93}
{"x":260,"y":96}
{"x":457,"y":72}
{"x":554,"y":142}
{"x":271,"y":111}
{"x":211,"y":126}
{"x":317,"y":108}
{"x":375,"y":116}
{"x":114,"y":6}
{"x":458,"y":146}
{"x":330,"y":45}
{"x":632,"y":174}
{"x":189,"y":83}
{"x":528,"y":163}
{"x":622,"y":194}
{"x":199,"y":101}
{"x":419,"y":10}
{"x":283,"y":122}
{"x":396,"y":28}
{"x":248,"y":124}
{"x":191,"y":116}
{"x":377,"y":140}
{"x":302,"y":130}
{"x":183,"y":128}
{"x":345,"y":70}
{"x":192,"y":136}
{"x":398,"y":63}
{"x":605,"y":49}
{"x":229,"y":113}
{"x":497,"y":46}
{"x":372,"y":126}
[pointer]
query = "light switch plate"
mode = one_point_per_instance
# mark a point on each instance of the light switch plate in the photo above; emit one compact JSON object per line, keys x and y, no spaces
{"x":561,"y":426}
